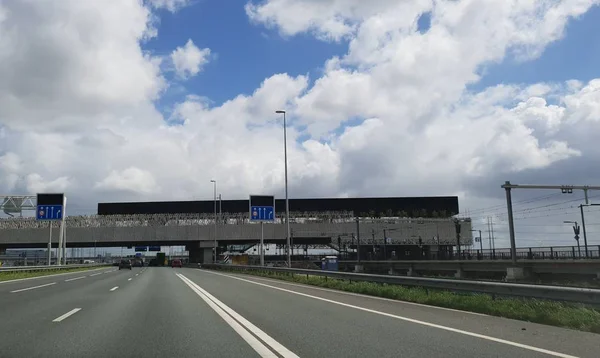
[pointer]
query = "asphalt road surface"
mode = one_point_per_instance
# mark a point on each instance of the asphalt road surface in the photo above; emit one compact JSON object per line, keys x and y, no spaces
{"x":165,"y":312}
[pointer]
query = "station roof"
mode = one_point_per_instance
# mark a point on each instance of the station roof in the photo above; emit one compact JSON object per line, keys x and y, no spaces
{"x":444,"y":206}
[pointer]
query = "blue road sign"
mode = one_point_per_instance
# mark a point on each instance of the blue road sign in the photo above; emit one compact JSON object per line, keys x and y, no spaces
{"x":141,"y":248}
{"x":262,"y":213}
{"x":49,"y":212}
{"x":154,"y":248}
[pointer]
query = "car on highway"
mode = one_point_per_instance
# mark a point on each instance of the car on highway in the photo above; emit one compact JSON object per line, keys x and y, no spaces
{"x":138,"y":263}
{"x":125,"y":264}
{"x":176,"y":263}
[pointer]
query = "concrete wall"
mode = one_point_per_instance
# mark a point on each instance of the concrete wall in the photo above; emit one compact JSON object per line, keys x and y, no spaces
{"x":204,"y":256}
{"x":399,"y":232}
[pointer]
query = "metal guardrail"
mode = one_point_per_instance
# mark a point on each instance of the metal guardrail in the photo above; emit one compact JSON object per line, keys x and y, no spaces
{"x":555,"y":293}
{"x":48,"y":268}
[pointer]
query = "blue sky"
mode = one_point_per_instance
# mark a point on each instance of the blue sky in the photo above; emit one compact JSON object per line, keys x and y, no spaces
{"x":244,"y":54}
{"x":180,"y":165}
{"x":576,"y":56}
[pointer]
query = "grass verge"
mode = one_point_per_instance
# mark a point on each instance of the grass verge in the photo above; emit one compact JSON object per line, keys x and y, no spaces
{"x":559,"y":314}
{"x":8,"y":276}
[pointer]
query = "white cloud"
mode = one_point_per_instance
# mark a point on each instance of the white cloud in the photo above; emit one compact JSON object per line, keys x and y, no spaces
{"x":170,"y":5}
{"x":131,"y":179}
{"x":56,"y":73}
{"x":584,"y":105}
{"x":77,"y":108}
{"x":328,"y":19}
{"x":35,"y":183}
{"x":189,"y":59}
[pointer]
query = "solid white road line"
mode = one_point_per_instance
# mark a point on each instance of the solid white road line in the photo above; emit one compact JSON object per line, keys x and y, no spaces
{"x":433,"y":325}
{"x":45,"y":276}
{"x":114,"y":288}
{"x":96,"y":274}
{"x":68,"y":314}
{"x":242,"y":326}
{"x":365,"y":296}
{"x":129,"y":279}
{"x":34,"y":287}
{"x":258,"y":346}
{"x":76,"y":278}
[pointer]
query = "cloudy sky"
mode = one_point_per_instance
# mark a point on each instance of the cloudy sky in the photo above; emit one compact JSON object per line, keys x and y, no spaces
{"x":114,"y":100}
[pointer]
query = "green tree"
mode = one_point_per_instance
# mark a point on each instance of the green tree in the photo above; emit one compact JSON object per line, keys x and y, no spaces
{"x":402,"y":214}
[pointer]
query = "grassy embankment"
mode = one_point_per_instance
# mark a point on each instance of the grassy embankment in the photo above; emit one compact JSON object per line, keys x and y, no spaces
{"x":552,"y":313}
{"x":7,"y":276}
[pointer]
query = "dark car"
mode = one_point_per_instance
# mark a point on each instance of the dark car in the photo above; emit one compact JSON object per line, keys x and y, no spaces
{"x":138,"y":263}
{"x":176,"y":263}
{"x":125,"y":264}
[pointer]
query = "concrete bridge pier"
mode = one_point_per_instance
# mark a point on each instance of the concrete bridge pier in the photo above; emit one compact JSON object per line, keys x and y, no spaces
{"x":199,"y":253}
{"x":201,"y":256}
{"x":517,"y":273}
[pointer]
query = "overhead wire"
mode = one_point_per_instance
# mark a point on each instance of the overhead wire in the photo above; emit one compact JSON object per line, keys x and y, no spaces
{"x":503,"y":206}
{"x":535,"y":208}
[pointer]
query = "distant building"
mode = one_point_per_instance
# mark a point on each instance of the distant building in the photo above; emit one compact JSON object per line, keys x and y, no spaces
{"x":426,"y":207}
{"x":30,"y":254}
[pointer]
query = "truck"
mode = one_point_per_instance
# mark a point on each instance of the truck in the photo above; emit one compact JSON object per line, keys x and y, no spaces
{"x":161,"y":259}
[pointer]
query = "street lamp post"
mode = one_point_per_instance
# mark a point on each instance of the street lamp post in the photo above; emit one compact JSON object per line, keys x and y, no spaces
{"x":457,"y":228}
{"x":384,"y":244}
{"x":215,"y":205}
{"x":576,"y":229}
{"x":385,"y":231}
{"x":287,"y":203}
{"x":480,"y":240}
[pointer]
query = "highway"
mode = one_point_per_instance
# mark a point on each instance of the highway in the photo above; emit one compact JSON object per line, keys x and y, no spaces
{"x":166,"y":312}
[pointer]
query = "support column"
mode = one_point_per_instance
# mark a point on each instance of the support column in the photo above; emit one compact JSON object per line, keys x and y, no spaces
{"x":200,"y":255}
{"x":460,"y":273}
{"x":200,"y":252}
{"x":511,"y":224}
{"x":207,"y":256}
{"x":517,"y":273}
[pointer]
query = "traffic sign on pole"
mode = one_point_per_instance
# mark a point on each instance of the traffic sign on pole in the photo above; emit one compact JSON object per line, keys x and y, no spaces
{"x":50,"y":207}
{"x":49,"y":212}
{"x":262,"y":208}
{"x":262,"y":213}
